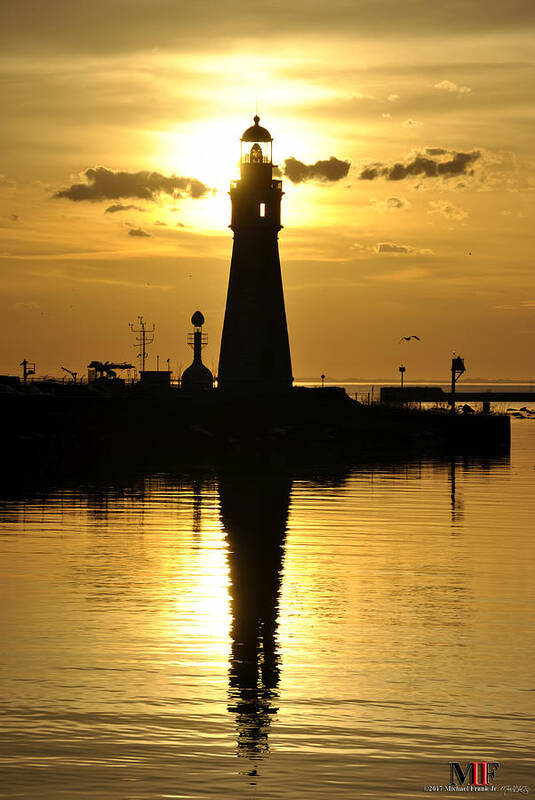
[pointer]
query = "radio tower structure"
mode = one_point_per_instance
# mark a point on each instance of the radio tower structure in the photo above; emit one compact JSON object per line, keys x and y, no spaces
{"x":144,"y":337}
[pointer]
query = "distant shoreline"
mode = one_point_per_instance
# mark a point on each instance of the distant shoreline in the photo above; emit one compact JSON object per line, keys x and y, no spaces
{"x":395,"y":382}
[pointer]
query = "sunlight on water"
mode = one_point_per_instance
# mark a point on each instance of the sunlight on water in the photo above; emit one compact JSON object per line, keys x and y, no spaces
{"x":341,"y":634}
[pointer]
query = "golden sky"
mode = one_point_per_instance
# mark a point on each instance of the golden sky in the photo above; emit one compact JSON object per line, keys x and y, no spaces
{"x":429,"y":231}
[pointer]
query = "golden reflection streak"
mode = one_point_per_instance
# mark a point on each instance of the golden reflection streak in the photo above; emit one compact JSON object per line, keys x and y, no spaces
{"x":203,"y":613}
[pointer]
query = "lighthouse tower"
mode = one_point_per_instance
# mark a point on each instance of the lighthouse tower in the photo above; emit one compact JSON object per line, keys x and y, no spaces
{"x":255,"y":353}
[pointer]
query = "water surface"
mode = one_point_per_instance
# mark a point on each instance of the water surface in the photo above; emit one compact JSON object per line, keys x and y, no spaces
{"x":342,"y":634}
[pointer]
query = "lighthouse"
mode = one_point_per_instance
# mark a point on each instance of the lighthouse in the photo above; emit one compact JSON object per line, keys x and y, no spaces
{"x":255,"y":352}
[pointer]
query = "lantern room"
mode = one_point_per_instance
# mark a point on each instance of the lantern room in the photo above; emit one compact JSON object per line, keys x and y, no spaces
{"x":256,"y":145}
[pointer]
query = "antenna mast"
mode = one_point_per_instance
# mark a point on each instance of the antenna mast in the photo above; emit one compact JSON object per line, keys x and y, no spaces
{"x":144,"y":337}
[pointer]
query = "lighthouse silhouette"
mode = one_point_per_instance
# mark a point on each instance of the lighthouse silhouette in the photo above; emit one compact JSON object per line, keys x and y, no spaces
{"x":255,"y":352}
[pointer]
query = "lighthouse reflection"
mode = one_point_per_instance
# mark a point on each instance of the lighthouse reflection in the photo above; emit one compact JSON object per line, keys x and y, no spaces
{"x":254,"y":512}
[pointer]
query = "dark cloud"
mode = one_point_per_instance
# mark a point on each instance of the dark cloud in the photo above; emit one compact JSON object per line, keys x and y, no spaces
{"x":324,"y":171}
{"x":107,"y":184}
{"x":389,"y":247}
{"x":390,"y":204}
{"x":420,"y":164}
{"x":14,"y":217}
{"x":395,"y":202}
{"x":400,"y":249}
{"x":120,"y":207}
{"x":138,"y":232}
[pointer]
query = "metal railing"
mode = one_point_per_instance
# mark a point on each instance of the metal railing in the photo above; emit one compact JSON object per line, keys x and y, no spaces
{"x":246,"y":159}
{"x":275,"y":184}
{"x":203,"y":338}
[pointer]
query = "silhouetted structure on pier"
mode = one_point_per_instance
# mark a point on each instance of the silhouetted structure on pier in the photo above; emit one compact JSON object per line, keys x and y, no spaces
{"x":197,"y":377}
{"x":255,"y":352}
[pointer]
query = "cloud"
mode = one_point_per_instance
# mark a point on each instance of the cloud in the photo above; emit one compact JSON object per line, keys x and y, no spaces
{"x":421,"y":164}
{"x":401,"y":275}
{"x":392,"y":98}
{"x":324,"y":171}
{"x":160,"y":222}
{"x":175,"y":27}
{"x":138,"y":232}
{"x":449,"y":86}
{"x":436,"y":151}
{"x":120,"y":207}
{"x":389,"y":247}
{"x":447,"y":210}
{"x":400,"y":249}
{"x":391,"y":204}
{"x":412,"y":123}
{"x":29,"y":305}
{"x":107,"y":184}
{"x":386,"y":116}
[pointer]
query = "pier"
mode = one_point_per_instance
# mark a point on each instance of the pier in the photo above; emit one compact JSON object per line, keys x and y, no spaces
{"x":434,"y":394}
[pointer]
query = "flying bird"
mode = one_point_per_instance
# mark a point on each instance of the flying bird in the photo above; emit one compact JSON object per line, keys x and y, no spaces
{"x":408,"y":338}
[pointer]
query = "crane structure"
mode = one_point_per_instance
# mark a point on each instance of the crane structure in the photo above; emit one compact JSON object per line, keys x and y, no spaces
{"x":70,"y":372}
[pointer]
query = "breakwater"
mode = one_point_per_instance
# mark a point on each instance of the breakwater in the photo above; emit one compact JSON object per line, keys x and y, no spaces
{"x":83,"y":431}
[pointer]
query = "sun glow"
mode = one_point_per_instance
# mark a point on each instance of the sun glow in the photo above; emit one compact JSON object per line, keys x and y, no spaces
{"x":209,"y":150}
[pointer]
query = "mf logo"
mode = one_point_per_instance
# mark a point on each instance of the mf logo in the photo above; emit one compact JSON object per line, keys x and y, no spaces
{"x":479,"y":773}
